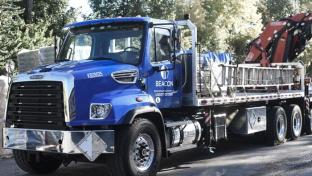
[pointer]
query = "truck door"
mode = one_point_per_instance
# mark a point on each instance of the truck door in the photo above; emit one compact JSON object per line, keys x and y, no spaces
{"x":164,"y":81}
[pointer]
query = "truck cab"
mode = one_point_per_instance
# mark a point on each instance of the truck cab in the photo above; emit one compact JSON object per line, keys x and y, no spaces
{"x":108,"y":72}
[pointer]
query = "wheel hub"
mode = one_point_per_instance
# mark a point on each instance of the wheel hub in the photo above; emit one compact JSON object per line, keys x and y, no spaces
{"x":143,"y":152}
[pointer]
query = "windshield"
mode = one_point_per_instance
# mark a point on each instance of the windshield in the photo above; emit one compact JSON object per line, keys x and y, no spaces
{"x":121,"y":43}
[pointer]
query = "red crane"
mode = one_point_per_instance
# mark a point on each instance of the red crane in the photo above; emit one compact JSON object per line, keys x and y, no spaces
{"x":281,"y":41}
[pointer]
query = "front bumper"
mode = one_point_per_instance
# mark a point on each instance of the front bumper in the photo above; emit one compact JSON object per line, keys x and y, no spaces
{"x":89,"y":143}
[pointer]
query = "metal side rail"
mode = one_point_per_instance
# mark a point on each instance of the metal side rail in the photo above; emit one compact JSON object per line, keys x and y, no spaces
{"x":254,"y":76}
{"x":89,"y":143}
{"x":249,"y":97}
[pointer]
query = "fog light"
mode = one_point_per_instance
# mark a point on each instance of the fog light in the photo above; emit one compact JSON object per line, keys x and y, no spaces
{"x":99,"y":111}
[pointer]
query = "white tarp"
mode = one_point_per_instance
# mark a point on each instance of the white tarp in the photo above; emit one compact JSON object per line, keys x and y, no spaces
{"x":29,"y":59}
{"x":211,"y":61}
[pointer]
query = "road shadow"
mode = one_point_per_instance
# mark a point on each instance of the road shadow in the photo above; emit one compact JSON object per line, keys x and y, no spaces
{"x":182,"y":163}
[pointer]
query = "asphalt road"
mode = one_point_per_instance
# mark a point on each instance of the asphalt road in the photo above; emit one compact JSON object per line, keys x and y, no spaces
{"x":241,"y":157}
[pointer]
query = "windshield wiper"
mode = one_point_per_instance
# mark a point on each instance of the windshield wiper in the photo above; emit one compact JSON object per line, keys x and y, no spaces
{"x":62,"y":60}
{"x":100,"y":58}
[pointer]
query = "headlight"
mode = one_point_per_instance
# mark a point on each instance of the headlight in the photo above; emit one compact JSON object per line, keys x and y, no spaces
{"x":99,"y":111}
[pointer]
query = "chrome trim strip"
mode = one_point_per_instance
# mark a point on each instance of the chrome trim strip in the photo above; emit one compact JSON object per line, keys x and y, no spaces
{"x":89,"y":143}
{"x":6,"y":103}
{"x":65,"y":77}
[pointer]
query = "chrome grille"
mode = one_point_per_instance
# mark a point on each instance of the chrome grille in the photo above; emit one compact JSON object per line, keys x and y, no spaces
{"x":36,"y":103}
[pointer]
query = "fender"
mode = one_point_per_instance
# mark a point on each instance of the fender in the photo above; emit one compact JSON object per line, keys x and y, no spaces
{"x":132,"y":114}
{"x":122,"y":102}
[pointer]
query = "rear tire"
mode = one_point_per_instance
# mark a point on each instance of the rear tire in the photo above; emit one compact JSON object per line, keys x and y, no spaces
{"x":36,"y":164}
{"x":138,"y":150}
{"x":308,"y":123}
{"x":294,"y":121}
{"x":276,"y":126}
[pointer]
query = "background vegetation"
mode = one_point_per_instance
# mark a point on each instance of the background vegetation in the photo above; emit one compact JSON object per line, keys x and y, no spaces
{"x":49,"y":16}
{"x":223,"y":25}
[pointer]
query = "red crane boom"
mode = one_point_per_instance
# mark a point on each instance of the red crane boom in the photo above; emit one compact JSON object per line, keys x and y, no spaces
{"x":281,"y":41}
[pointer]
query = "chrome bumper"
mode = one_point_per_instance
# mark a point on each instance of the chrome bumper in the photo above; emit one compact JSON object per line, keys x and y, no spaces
{"x":89,"y":143}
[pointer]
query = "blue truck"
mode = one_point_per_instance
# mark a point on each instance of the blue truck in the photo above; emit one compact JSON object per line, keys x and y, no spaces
{"x":125,"y":91}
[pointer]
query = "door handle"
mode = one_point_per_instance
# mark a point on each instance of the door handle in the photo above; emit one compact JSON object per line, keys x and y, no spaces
{"x":176,"y":84}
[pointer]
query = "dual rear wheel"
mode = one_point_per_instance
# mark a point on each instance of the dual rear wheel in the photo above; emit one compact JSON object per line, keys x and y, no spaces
{"x":281,"y":126}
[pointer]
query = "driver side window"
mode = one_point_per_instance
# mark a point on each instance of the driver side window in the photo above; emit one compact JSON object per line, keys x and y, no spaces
{"x":78,"y":48}
{"x":161,"y":45}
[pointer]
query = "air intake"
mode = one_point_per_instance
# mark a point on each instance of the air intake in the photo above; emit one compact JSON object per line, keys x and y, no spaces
{"x":125,"y":77}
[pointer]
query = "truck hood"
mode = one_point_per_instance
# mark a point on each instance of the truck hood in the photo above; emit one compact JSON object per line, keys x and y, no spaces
{"x":76,"y":66}
{"x":83,"y":70}
{"x":85,"y":80}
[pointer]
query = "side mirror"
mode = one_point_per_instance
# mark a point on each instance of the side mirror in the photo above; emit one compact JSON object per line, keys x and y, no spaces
{"x":58,"y":42}
{"x":10,"y":66}
{"x":176,"y":35}
{"x":10,"y":69}
{"x":57,"y":45}
{"x":173,"y":57}
{"x":178,"y":39}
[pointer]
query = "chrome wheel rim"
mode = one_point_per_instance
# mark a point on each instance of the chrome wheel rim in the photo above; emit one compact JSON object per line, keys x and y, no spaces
{"x":281,"y":127}
{"x":143,"y":152}
{"x":297,"y":124}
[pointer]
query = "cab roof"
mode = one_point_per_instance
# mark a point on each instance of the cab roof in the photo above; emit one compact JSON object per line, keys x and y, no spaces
{"x":115,"y":20}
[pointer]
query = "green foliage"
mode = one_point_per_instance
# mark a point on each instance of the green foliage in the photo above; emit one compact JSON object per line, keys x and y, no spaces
{"x":272,"y":10}
{"x":305,"y":5}
{"x":54,"y":13}
{"x":114,"y":8}
{"x":309,"y":70}
{"x":238,"y":44}
{"x":218,"y":21}
{"x":16,"y":35}
{"x":217,"y":18}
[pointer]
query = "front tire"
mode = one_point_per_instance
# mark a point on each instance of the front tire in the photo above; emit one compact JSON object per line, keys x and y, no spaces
{"x":36,"y":163}
{"x":138,"y":150}
{"x":276,"y":126}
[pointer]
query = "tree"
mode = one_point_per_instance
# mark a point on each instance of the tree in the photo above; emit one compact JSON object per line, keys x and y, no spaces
{"x":210,"y":16}
{"x":272,"y":10}
{"x":53,"y":12}
{"x":197,"y":14}
{"x":226,"y":20}
{"x":16,"y":35}
{"x":124,"y":8}
{"x":305,"y":5}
